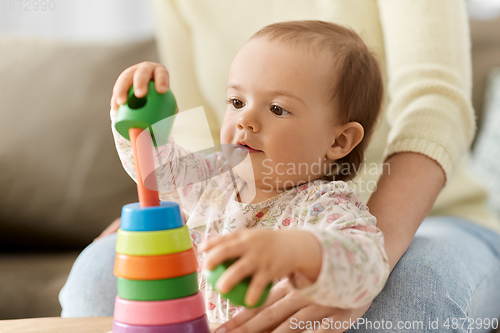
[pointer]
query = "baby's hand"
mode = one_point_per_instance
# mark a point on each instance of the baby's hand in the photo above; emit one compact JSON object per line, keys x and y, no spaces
{"x":263,"y":254}
{"x":139,"y":76}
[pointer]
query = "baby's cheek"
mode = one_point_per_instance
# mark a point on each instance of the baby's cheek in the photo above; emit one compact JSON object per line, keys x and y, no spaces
{"x":225,"y":131}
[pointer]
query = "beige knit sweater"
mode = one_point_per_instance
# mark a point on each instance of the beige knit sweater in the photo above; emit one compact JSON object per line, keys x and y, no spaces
{"x":424,"y":50}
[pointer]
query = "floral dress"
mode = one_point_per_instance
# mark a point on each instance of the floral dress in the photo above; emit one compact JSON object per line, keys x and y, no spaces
{"x":354,"y":263}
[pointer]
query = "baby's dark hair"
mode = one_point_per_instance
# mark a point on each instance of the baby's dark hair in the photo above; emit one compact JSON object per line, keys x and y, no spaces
{"x":356,"y":87}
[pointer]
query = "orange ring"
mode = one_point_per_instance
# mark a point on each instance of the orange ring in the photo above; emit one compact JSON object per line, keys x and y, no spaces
{"x":155,"y":267}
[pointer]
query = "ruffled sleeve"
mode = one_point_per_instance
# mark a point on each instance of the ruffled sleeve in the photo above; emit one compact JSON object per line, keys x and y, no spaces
{"x":182,"y":175}
{"x":354,"y":263}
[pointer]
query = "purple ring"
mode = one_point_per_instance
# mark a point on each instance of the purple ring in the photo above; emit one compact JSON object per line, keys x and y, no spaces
{"x":199,"y":325}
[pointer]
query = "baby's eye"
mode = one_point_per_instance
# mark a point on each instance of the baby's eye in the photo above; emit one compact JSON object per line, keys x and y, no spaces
{"x":236,"y":103}
{"x":278,"y":110}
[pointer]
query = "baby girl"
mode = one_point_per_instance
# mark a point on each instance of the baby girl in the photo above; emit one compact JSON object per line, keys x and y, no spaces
{"x":302,"y":101}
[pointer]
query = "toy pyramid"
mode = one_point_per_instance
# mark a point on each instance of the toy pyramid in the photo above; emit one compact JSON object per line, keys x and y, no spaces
{"x":155,"y":263}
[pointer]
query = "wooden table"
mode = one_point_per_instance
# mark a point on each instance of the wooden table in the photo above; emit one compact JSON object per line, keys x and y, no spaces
{"x":62,"y":325}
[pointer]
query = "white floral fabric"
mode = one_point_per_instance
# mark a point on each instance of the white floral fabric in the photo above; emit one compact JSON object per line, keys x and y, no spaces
{"x":354,"y":267}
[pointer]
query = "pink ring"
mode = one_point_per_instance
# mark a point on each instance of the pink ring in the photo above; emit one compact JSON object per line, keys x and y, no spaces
{"x":159,"y":312}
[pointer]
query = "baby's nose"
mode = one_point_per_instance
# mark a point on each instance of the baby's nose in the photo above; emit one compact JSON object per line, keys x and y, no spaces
{"x":249,"y":120}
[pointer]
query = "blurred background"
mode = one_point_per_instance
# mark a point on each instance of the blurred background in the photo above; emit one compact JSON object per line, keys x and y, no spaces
{"x":60,"y":177}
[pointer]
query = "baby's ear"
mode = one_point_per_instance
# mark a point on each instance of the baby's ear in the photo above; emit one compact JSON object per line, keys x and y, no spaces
{"x":350,"y":136}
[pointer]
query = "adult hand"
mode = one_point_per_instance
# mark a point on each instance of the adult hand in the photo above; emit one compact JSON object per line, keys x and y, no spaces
{"x":285,"y":310}
{"x":113,"y":227}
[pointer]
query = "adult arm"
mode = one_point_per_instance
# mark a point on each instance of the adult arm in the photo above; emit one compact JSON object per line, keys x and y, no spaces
{"x":432,"y":125}
{"x":403,"y":198}
{"x":432,"y":122}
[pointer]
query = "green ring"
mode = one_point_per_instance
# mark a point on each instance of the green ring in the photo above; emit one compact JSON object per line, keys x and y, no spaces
{"x":237,"y":294}
{"x":150,"y":243}
{"x":158,"y":290}
{"x":155,"y":111}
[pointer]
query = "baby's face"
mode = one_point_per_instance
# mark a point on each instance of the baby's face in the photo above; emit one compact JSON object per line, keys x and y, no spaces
{"x":278,"y":104}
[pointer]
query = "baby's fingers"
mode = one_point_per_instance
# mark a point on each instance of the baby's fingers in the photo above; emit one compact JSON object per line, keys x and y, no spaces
{"x":216,"y":240}
{"x":122,"y":85}
{"x":222,"y":252}
{"x":234,"y":274}
{"x":249,"y":316}
{"x":139,"y":75}
{"x":257,"y":285}
{"x":211,"y":242}
{"x":161,"y":78}
{"x":145,"y":73}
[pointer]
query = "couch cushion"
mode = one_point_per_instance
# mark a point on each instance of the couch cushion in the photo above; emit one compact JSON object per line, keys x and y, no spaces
{"x":61,"y":179}
{"x":485,"y":38}
{"x":31,"y":283}
{"x":486,"y":161}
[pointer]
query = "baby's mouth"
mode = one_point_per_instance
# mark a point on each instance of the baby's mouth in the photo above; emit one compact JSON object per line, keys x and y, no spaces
{"x":249,"y":149}
{"x":242,"y":145}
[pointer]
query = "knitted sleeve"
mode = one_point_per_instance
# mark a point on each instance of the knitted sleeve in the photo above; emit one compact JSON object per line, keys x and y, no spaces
{"x":428,"y":57}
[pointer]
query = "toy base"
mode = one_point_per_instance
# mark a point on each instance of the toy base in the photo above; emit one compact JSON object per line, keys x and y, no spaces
{"x":199,"y":325}
{"x":159,"y":313}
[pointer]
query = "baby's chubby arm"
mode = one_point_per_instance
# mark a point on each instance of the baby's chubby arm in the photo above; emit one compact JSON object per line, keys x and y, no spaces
{"x":333,"y":243}
{"x":181,"y":174}
{"x":139,"y":75}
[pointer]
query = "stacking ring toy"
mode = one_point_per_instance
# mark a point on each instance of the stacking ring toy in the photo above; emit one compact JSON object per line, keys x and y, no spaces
{"x":237,"y":294}
{"x":199,"y":325}
{"x":148,"y":111}
{"x":168,"y":312}
{"x":163,"y":217}
{"x":150,"y":243}
{"x":155,"y":267}
{"x":158,"y":290}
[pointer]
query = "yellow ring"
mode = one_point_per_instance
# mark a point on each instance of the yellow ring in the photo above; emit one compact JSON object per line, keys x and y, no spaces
{"x":149,"y":243}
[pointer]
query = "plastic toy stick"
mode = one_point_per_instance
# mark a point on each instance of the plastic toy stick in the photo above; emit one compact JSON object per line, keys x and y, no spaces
{"x":155,"y":263}
{"x":143,"y":159}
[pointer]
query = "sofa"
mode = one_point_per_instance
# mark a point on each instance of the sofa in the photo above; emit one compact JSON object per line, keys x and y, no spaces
{"x":62,"y":182}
